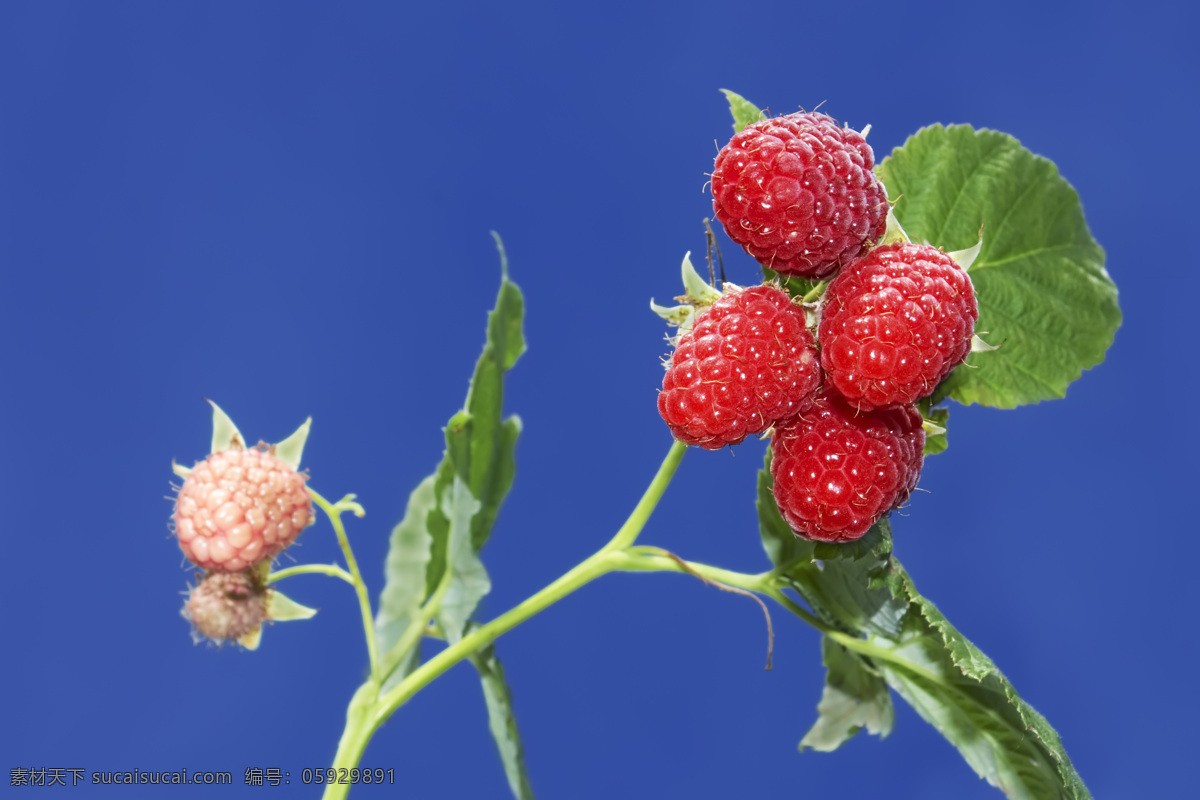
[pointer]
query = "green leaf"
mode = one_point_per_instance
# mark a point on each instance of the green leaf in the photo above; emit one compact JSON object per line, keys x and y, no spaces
{"x":502,"y":721}
{"x":451,"y":512}
{"x":744,"y":112}
{"x":1043,"y":292}
{"x":874,"y":610}
{"x":958,"y":690}
{"x":855,"y":696}
{"x":480,"y":444}
{"x":404,"y":569}
{"x":469,"y":580}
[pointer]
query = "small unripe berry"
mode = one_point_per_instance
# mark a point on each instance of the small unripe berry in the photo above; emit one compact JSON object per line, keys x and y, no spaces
{"x":226,"y":605}
{"x":238,"y":507}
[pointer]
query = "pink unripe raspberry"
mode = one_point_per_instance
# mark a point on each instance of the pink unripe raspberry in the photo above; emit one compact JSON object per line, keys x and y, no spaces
{"x":837,"y":470}
{"x":226,"y":605}
{"x":748,"y":361}
{"x":896,"y":322}
{"x":798,"y":193}
{"x":239,"y":507}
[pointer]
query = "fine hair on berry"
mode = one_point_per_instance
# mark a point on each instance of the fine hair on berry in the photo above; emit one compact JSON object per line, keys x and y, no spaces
{"x":837,"y":470}
{"x":239,"y":507}
{"x":895,"y":323}
{"x":799,"y":194}
{"x":748,"y":361}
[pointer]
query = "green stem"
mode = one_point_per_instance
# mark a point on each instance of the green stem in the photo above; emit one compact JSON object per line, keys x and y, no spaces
{"x":815,"y":292}
{"x":334,"y":512}
{"x":365,"y":715}
{"x":307,"y":569}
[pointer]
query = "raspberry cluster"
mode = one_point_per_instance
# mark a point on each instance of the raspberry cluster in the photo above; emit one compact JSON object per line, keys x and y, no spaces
{"x":800,"y":195}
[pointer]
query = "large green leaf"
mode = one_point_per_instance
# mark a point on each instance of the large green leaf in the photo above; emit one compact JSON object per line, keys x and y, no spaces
{"x":900,"y":637}
{"x":502,"y":721}
{"x":1043,"y":292}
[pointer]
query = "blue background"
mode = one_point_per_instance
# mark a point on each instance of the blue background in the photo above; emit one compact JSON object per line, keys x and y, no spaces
{"x":285,"y":207}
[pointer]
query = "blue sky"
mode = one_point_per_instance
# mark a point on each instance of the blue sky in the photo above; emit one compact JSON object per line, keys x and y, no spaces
{"x":286,"y":207}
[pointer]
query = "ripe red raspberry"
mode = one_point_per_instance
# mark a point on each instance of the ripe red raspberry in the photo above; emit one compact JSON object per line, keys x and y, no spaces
{"x":239,"y":507}
{"x":798,"y":193}
{"x":894,"y":323}
{"x":838,"y":470}
{"x":748,"y":362}
{"x":226,"y":605}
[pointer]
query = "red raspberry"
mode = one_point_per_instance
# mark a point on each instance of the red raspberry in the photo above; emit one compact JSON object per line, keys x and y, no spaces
{"x":894,"y":323}
{"x":798,"y":193}
{"x":240,"y":507}
{"x":838,"y":470}
{"x":748,"y":362}
{"x":226,"y":605}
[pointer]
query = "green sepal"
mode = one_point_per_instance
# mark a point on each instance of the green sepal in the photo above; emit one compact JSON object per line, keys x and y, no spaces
{"x":281,"y":608}
{"x":744,"y":112}
{"x":290,"y":450}
{"x":225,"y":436}
{"x":935,"y":420}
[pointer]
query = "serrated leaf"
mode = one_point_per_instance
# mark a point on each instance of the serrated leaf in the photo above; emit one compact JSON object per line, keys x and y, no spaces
{"x":404,"y":570}
{"x":480,"y":445}
{"x":916,"y":650}
{"x":744,"y":112}
{"x":961,"y":692}
{"x":469,"y":580}
{"x":502,"y":721}
{"x":855,"y":696}
{"x":1039,"y":277}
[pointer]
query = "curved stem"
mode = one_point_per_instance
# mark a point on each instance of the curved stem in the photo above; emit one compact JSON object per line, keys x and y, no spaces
{"x":815,"y":293}
{"x":334,"y":512}
{"x":307,"y":569}
{"x":367,"y":712}
{"x":628,"y":533}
